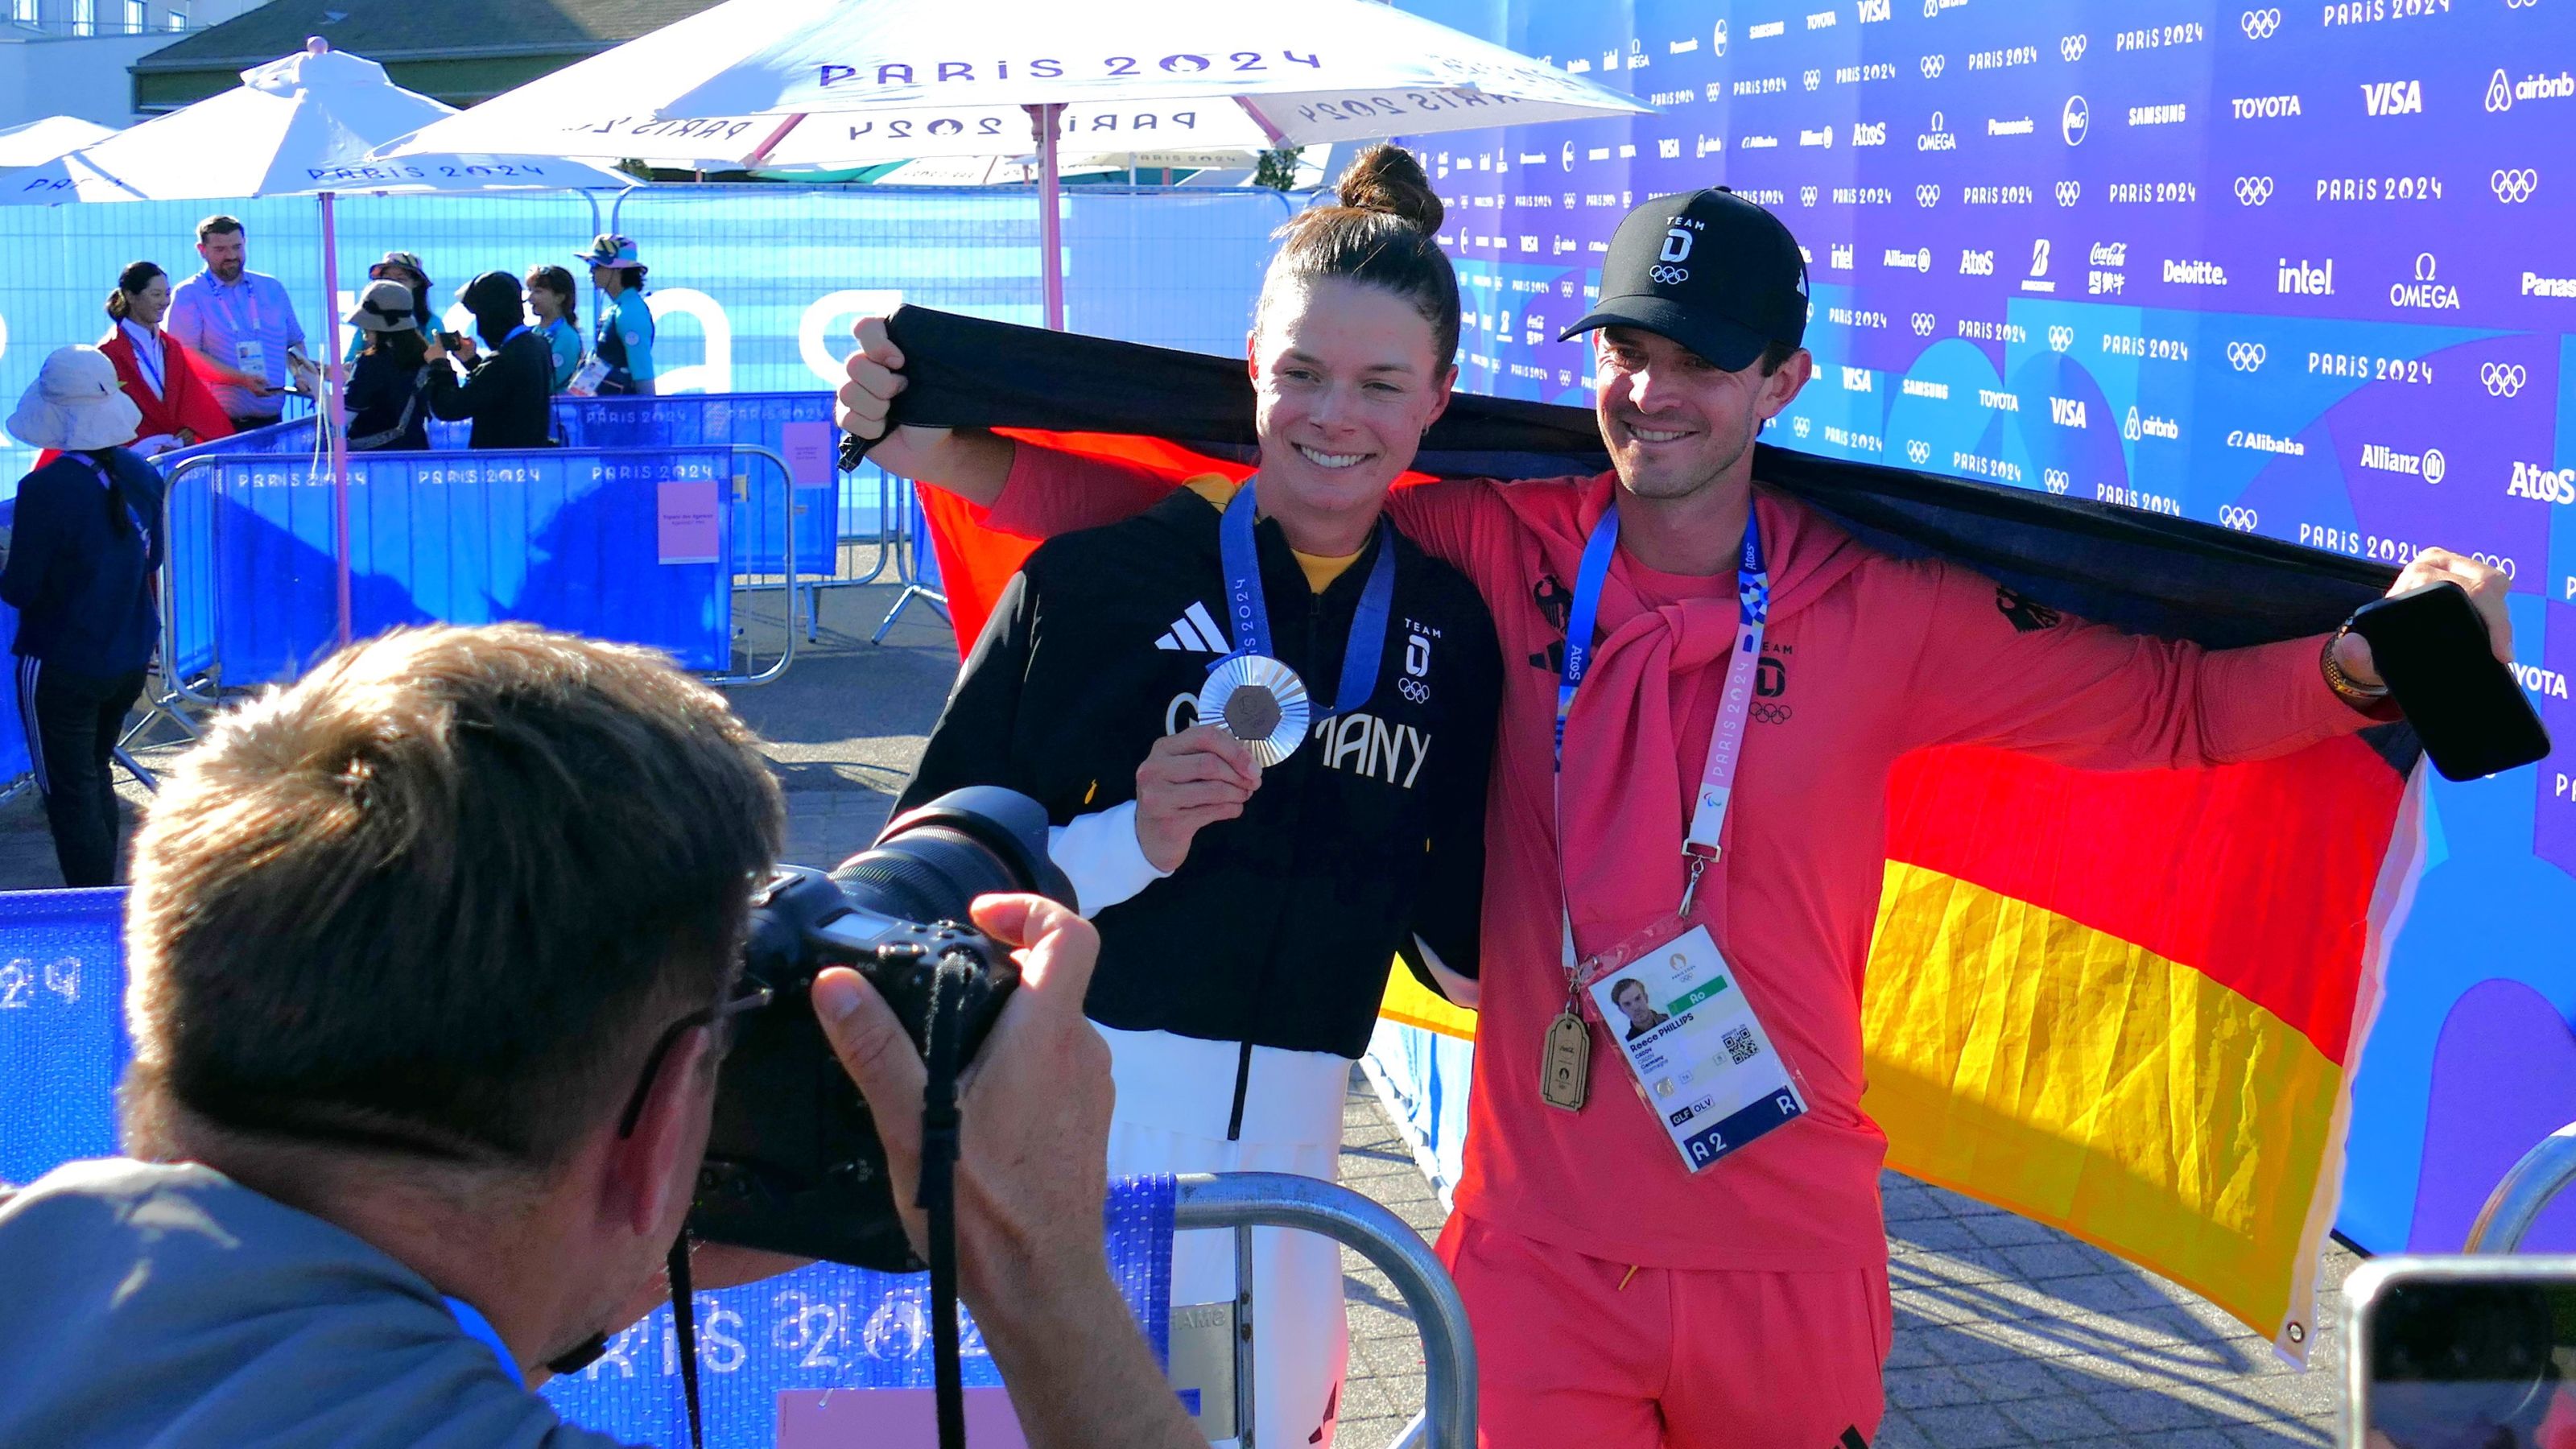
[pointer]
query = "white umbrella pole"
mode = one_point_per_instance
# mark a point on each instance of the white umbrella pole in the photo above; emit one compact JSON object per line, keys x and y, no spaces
{"x":334,"y":414}
{"x":1050,"y":224}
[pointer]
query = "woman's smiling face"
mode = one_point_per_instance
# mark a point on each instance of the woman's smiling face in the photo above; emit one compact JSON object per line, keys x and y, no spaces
{"x":1347,"y":382}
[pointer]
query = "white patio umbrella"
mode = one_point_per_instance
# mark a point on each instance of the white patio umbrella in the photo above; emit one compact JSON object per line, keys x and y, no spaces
{"x":302,"y":125}
{"x":33,"y":143}
{"x":1319,"y":70}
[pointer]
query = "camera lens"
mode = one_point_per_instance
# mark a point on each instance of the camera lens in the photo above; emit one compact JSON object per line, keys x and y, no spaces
{"x":926,"y":874}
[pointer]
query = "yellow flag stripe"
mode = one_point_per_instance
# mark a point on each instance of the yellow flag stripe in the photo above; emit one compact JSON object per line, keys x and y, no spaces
{"x":1408,"y":1001}
{"x":2091,"y":1084}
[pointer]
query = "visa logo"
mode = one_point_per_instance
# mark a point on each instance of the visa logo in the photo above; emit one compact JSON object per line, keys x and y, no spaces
{"x":2066,"y":412}
{"x":2393,"y":98}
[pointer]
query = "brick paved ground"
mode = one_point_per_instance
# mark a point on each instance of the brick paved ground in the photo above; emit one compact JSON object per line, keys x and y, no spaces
{"x":2007,"y":1333}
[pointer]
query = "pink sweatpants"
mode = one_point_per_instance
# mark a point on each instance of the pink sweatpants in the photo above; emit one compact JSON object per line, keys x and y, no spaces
{"x":1577,"y":1350}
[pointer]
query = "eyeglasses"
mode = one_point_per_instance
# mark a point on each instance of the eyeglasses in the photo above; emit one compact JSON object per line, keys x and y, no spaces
{"x":720,"y":1015}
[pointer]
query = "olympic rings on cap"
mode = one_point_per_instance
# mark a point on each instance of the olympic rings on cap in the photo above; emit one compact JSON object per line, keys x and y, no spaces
{"x":2513,"y":187}
{"x":1664,"y":276}
{"x":2260,"y":24}
{"x":2502,"y":379}
{"x":2253,"y":190}
{"x":2246,"y":356}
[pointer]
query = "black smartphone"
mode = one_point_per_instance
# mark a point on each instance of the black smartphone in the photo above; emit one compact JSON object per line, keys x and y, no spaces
{"x":451,"y":340}
{"x":2467,"y":707}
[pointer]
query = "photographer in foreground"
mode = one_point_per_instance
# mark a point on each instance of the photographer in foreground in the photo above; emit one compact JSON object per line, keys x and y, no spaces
{"x":431,"y":957}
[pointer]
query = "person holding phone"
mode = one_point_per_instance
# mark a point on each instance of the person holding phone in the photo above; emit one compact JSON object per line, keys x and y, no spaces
{"x":243,"y":324}
{"x":508,"y":394}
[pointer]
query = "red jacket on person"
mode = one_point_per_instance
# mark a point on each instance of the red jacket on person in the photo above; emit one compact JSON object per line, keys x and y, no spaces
{"x":184,"y":402}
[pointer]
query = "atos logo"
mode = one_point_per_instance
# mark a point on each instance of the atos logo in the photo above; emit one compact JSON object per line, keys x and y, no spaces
{"x":1924,"y":322}
{"x":2253,"y":190}
{"x":2393,"y":98}
{"x":1855,"y":379}
{"x":1976,"y":264}
{"x":2260,"y":24}
{"x":2069,"y":192}
{"x":2061,"y":339}
{"x":2075,"y":120}
{"x":1932,"y":66}
{"x":2542,"y":485}
{"x":1869,"y":133}
{"x":2514,"y":187}
{"x":2070,"y":48}
{"x":2066,"y":412}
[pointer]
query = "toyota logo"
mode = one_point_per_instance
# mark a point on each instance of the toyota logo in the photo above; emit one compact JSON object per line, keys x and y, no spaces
{"x":2240,"y":519}
{"x":2514,"y":187}
{"x":2060,"y":338}
{"x":1927,"y":194}
{"x":1663,"y":276}
{"x":2502,"y":379}
{"x":2075,"y":120}
{"x":1924,"y":322}
{"x":2070,"y":47}
{"x":2260,"y":24}
{"x":1932,"y":65}
{"x":1918,"y":452}
{"x":2436,"y":467}
{"x":2068,"y":191}
{"x":2253,"y":190}
{"x":2246,"y":356}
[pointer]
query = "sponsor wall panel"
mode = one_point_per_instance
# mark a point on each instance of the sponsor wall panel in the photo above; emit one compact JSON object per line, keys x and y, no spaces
{"x":2303,"y":271}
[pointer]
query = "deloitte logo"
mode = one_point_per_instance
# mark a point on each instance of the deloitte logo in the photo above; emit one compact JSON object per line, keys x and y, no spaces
{"x":2075,"y":121}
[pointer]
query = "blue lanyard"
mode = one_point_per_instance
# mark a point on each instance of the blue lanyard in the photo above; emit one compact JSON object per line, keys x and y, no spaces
{"x":480,"y":1329}
{"x":148,"y":357}
{"x":1250,"y":612}
{"x":228,"y":299}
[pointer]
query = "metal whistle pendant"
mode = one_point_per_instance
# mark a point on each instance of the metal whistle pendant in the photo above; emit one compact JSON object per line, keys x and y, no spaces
{"x":1565,"y":1067}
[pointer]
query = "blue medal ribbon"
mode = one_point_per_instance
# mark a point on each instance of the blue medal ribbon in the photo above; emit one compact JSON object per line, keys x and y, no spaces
{"x":1248,"y":612}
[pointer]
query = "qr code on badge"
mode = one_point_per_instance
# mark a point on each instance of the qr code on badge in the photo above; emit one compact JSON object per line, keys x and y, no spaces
{"x":1740,"y":1047}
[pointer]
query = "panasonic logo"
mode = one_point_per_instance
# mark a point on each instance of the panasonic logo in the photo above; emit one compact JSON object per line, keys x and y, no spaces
{"x":2020,"y":126}
{"x":2305,"y":280}
{"x":2542,"y":485}
{"x":1767,"y":29}
{"x":1917,"y":387}
{"x":2264,"y":108}
{"x":1855,"y":379}
{"x":2195,"y":274}
{"x":2172,"y":115}
{"x":2428,"y":465}
{"x":2066,"y":412}
{"x":2536,"y":285}
{"x":2392,"y":98}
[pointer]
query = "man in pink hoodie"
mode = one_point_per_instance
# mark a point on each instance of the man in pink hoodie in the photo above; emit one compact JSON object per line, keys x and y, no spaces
{"x":1619,"y":1296}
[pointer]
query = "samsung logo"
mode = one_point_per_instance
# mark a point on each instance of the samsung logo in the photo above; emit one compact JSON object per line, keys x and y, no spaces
{"x":2170,"y":115}
{"x":1917,"y":387}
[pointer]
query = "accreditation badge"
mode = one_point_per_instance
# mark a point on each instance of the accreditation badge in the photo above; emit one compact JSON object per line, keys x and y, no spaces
{"x":252,"y":359}
{"x":1698,"y":1053}
{"x":1259,"y":701}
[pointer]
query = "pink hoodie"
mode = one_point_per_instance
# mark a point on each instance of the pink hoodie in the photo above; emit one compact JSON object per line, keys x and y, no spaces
{"x":1866,"y":657}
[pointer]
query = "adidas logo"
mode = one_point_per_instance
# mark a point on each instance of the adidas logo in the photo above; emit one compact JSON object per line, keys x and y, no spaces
{"x":1195,"y":632}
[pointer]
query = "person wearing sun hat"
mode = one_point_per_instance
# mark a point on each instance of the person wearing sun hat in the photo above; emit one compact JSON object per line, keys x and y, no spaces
{"x":404,"y":270}
{"x":85,"y":541}
{"x":625,"y":340}
{"x":388,"y":390}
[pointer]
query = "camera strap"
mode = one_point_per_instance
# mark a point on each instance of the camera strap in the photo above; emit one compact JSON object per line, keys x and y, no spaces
{"x":937,"y":1196}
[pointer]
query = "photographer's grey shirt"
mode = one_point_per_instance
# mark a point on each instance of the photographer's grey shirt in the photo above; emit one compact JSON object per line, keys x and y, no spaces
{"x":166,"y":1305}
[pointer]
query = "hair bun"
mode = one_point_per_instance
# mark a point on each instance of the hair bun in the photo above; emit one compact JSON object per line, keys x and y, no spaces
{"x":1387,"y":178}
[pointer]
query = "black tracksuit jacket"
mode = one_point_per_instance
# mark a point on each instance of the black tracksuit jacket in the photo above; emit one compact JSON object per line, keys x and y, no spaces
{"x":1279,"y":928}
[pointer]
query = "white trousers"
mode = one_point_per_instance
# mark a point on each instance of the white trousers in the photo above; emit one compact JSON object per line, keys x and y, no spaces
{"x":1175,"y":1102}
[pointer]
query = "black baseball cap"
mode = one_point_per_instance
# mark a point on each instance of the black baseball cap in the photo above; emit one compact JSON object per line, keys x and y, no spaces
{"x":1708,"y":269}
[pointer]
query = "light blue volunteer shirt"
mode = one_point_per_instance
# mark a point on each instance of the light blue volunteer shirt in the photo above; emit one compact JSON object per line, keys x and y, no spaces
{"x":214,"y":318}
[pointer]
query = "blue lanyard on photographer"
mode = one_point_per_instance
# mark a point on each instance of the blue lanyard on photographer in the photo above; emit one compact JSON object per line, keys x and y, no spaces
{"x":1249,"y":612}
{"x":1726,"y":739}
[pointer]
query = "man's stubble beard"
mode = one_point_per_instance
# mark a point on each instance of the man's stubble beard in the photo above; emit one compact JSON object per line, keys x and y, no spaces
{"x":1699,"y":482}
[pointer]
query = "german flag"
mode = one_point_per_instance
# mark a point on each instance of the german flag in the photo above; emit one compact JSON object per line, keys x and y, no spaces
{"x":2129,"y":1005}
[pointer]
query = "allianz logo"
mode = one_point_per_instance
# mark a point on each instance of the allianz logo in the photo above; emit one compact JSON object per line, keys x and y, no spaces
{"x":2542,"y":485}
{"x":2019,"y":126}
{"x":1856,"y":379}
{"x":1997,"y":400}
{"x":2264,"y":108}
{"x":1869,"y":133}
{"x":2305,"y":279}
{"x":2428,"y":465}
{"x":1919,"y":260}
{"x":2195,"y":273}
{"x":2393,"y":98}
{"x":2067,"y":412}
{"x":1976,"y":263}
{"x":1817,"y":136}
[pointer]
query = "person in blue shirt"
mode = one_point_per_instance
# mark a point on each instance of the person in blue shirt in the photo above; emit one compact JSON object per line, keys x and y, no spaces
{"x":550,"y":297}
{"x":84,"y":543}
{"x":243,"y":324}
{"x":625,"y":340}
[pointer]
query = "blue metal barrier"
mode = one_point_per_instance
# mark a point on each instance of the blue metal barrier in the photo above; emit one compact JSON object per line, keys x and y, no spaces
{"x":62,"y":1027}
{"x":632,"y":545}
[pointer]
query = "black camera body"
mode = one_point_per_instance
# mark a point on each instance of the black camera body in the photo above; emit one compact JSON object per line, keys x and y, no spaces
{"x":794,"y":1164}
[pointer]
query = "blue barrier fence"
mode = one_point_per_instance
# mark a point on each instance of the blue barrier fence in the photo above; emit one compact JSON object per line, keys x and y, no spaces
{"x":778,"y":1359}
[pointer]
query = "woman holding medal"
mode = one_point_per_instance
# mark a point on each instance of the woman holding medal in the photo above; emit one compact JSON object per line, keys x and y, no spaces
{"x":1262,"y":721}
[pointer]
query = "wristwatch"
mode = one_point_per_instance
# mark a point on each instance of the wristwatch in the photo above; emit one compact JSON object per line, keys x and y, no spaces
{"x":2361,"y":696}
